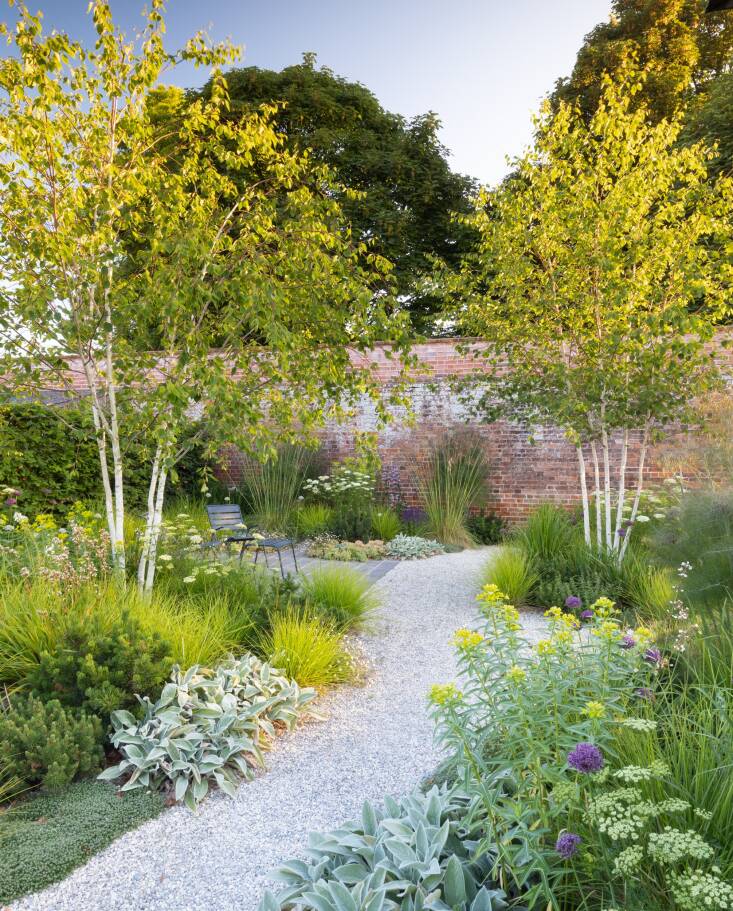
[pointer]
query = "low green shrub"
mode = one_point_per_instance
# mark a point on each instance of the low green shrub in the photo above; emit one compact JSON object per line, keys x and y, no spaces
{"x":340,"y":595}
{"x":308,"y":649}
{"x":350,"y":491}
{"x":385,"y":523}
{"x":326,"y":547}
{"x":43,"y":743}
{"x":512,"y":571}
{"x":313,"y":519}
{"x":412,"y":547}
{"x":486,"y":528}
{"x":98,"y":667}
{"x":393,"y":858}
{"x":44,"y":838}
{"x":206,"y":728}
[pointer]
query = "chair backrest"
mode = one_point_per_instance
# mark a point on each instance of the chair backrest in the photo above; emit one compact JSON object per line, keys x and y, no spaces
{"x":226,"y":515}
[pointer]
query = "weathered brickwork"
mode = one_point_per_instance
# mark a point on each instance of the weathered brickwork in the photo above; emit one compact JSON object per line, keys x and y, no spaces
{"x":524,"y":471}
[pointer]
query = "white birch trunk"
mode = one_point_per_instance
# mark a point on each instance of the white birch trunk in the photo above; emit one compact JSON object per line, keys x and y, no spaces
{"x":597,"y":477}
{"x":584,"y":494}
{"x":119,"y":495}
{"x":155,"y":532}
{"x":639,"y":488}
{"x":150,"y":515}
{"x":621,"y":492}
{"x":606,"y":486}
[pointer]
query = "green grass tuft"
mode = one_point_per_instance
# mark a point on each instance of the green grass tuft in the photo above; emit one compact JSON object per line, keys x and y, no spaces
{"x":513,"y":572}
{"x":308,"y":649}
{"x":340,"y":595}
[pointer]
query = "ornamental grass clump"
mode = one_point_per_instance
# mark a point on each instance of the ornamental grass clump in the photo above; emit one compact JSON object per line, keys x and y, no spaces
{"x":455,"y":481}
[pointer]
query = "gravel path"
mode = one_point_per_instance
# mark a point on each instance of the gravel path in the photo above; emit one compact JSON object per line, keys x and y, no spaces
{"x":377,"y":740}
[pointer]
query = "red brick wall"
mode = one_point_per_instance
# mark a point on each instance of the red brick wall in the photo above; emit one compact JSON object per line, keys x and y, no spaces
{"x":524,"y":471}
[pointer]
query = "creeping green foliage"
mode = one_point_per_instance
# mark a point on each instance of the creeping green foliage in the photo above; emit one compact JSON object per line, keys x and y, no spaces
{"x":410,"y":855}
{"x":326,"y":547}
{"x":486,"y":528}
{"x":100,"y":669}
{"x":44,"y":838}
{"x":206,"y":728}
{"x":46,"y":744}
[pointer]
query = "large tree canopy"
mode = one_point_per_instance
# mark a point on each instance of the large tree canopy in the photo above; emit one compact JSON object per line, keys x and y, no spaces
{"x":681,"y":48}
{"x":408,"y":190}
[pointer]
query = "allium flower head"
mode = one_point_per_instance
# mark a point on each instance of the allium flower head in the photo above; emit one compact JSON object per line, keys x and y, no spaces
{"x":627,"y":641}
{"x":586,"y":615}
{"x":644,"y":692}
{"x":573,"y":603}
{"x":567,"y":845}
{"x":585,"y":757}
{"x":653,"y":656}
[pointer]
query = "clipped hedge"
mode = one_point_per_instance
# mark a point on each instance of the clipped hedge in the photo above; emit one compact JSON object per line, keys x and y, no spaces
{"x":49,"y":453}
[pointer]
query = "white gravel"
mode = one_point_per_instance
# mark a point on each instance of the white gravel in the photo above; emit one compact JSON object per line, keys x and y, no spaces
{"x":376,"y":740}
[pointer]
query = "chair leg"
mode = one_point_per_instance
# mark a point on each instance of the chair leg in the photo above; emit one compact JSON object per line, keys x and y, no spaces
{"x":257,"y":553}
{"x":267,"y":562}
{"x":280,"y":559}
{"x":295,"y":559}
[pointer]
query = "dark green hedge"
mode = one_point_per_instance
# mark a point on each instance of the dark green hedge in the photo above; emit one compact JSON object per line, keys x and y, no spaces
{"x":54,"y":464}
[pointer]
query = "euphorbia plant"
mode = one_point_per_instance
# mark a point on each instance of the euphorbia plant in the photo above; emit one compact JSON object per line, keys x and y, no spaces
{"x":600,"y":275}
{"x":184,"y":266}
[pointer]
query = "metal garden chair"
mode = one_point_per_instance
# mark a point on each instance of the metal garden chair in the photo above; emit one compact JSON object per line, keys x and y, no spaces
{"x":228,"y":517}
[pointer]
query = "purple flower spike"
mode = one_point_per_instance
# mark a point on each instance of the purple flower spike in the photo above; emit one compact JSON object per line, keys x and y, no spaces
{"x":653,"y":656}
{"x":586,"y":615}
{"x":643,"y":692}
{"x":621,"y":532}
{"x":567,"y":845}
{"x":585,"y":757}
{"x":627,"y":641}
{"x":573,"y":602}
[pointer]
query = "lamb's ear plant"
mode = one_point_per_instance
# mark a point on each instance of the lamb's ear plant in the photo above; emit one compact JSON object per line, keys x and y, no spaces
{"x":414,"y":854}
{"x":207,"y":727}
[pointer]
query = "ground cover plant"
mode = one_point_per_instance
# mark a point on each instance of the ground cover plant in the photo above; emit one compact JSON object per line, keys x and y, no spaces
{"x":44,"y":838}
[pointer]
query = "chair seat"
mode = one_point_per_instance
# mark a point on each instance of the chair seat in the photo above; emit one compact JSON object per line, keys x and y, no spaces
{"x":231,"y":539}
{"x":275,"y":543}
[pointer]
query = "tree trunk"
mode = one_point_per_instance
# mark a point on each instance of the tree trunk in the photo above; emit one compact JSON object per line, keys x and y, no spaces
{"x":155,"y":533}
{"x":597,"y":476}
{"x":621,"y":492}
{"x":152,"y":490}
{"x":606,"y":486}
{"x":584,"y":494}
{"x":639,"y":488}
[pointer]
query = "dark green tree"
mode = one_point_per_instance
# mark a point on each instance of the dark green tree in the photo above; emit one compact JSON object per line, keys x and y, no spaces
{"x":710,"y":118}
{"x":408,"y":190}
{"x":681,"y":48}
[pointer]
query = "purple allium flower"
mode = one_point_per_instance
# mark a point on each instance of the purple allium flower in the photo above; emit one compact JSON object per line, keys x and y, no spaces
{"x":567,"y":845}
{"x":643,"y":692}
{"x":627,"y":641}
{"x":11,"y":501}
{"x":653,"y":656}
{"x":621,"y":532}
{"x":585,"y":757}
{"x":573,"y":602}
{"x":586,"y":615}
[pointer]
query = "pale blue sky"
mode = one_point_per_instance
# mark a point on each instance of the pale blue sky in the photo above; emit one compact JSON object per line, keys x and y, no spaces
{"x":481,"y":65}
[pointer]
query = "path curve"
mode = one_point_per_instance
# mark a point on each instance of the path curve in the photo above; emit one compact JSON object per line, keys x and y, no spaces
{"x":377,"y":740}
